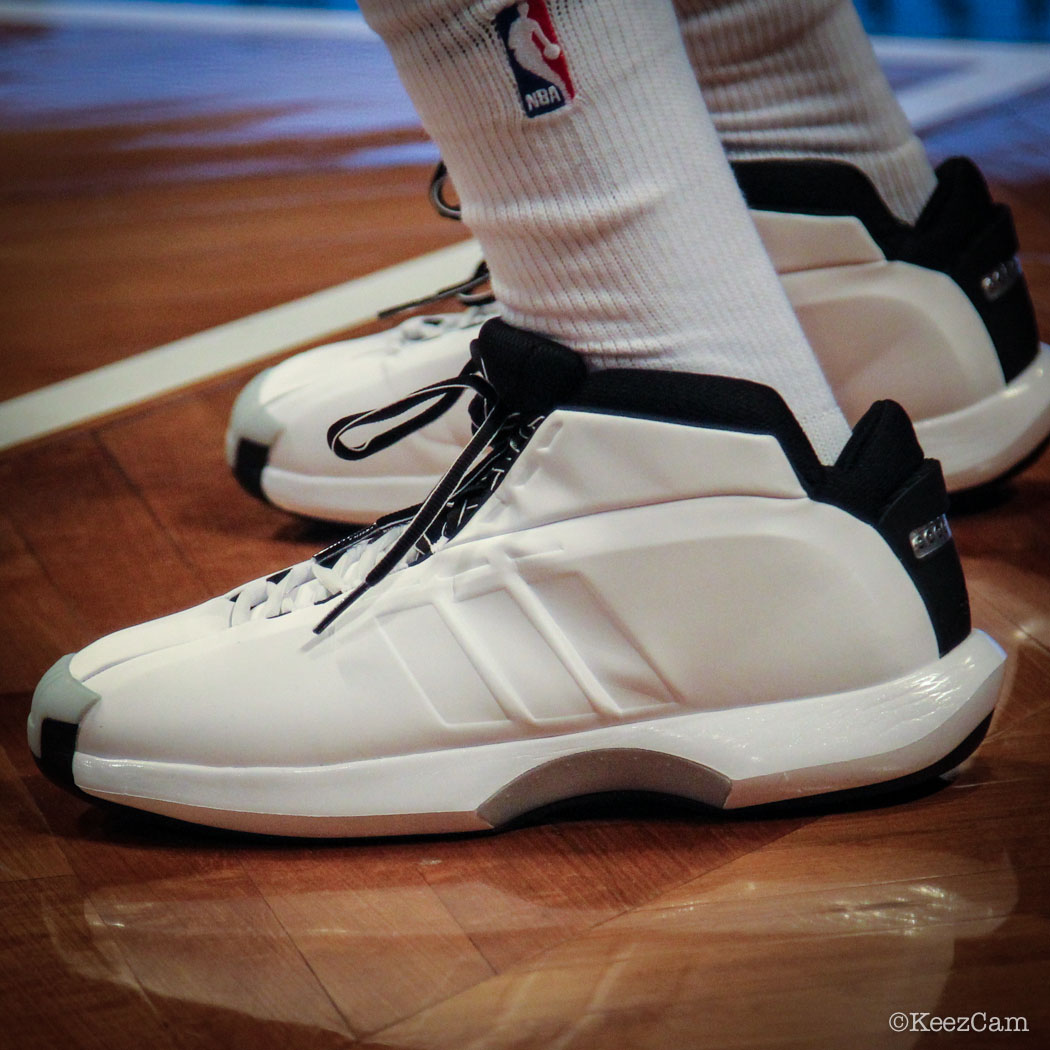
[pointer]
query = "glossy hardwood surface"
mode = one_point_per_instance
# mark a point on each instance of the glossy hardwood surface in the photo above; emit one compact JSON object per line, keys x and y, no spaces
{"x":631,"y":923}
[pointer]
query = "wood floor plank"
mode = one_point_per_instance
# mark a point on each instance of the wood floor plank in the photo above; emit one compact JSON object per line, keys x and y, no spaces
{"x":215,"y":961}
{"x":37,"y":622}
{"x":98,"y":543}
{"x":28,"y":850}
{"x":374,"y":932}
{"x":535,"y":887}
{"x":815,"y":968}
{"x":66,"y":983}
{"x":173,"y":457}
{"x":93,"y":277}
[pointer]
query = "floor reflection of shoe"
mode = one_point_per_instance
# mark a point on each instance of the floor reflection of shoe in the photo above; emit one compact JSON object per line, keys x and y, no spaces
{"x":628,"y":580}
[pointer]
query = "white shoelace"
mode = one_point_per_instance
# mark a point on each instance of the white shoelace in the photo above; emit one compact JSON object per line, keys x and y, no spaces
{"x":365,"y":558}
{"x":430,"y":326}
{"x":310,"y":582}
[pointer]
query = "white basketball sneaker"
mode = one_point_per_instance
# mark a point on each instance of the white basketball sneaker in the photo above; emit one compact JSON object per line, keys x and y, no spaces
{"x":278,"y":443}
{"x":936,"y":316}
{"x":628,"y":580}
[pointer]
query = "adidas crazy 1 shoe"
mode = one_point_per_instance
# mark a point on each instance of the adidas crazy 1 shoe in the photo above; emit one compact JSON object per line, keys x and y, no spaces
{"x":277,"y":441}
{"x":627,"y":580}
{"x":935,"y":316}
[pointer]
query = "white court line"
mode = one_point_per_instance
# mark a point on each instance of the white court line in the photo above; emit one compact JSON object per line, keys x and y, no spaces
{"x":228,"y":346}
{"x":988,"y":73}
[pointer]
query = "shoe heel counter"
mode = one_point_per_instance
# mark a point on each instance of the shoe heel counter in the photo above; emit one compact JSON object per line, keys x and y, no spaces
{"x":989,"y":272}
{"x":915,"y":525}
{"x":883,"y":478}
{"x":972,"y":239}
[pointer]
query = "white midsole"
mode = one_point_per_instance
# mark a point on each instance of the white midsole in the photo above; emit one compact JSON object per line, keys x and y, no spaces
{"x":741,"y":756}
{"x":981,"y":442}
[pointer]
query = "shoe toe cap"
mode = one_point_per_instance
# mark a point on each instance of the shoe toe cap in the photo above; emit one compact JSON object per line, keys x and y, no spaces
{"x":61,"y":698}
{"x":260,"y":411}
{"x":252,"y":418}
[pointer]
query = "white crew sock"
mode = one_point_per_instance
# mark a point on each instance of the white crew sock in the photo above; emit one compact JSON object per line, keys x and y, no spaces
{"x":799,"y":79}
{"x":612,"y":223}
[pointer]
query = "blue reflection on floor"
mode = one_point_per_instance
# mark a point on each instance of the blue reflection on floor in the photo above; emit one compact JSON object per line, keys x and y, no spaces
{"x":963,"y":19}
{"x":312,"y":85}
{"x":198,"y":103}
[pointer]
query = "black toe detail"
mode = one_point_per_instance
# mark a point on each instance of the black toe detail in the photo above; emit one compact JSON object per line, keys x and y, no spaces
{"x":58,"y":745}
{"x":248,"y":466}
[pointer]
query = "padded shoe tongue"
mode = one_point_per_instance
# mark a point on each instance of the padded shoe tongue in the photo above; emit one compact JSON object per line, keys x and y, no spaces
{"x":532,"y":375}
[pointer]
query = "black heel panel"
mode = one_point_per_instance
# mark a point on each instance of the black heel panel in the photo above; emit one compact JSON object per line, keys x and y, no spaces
{"x":882,"y":478}
{"x":990,"y":275}
{"x":916,"y":528}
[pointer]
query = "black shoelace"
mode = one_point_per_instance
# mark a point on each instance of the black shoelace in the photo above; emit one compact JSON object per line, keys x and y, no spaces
{"x":456,"y":497}
{"x":464,"y":291}
{"x":438,"y":399}
{"x":468,"y":482}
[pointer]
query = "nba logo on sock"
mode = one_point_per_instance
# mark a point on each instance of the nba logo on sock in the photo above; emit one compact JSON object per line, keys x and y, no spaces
{"x":536,"y":57}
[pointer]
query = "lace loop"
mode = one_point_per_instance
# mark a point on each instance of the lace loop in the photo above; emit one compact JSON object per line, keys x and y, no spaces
{"x":461,"y":290}
{"x":429,"y":511}
{"x":443,"y":395}
{"x":437,"y":195}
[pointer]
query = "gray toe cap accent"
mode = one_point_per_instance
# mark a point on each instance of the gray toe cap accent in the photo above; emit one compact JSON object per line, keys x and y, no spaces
{"x":61,"y":697}
{"x":251,"y":416}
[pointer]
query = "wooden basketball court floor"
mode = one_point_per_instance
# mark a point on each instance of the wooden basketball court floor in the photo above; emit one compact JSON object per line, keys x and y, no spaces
{"x":630,"y":923}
